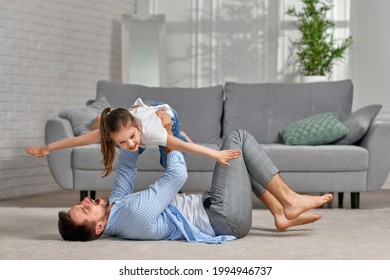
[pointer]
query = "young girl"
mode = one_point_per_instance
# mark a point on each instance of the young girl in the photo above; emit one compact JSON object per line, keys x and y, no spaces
{"x":139,"y":127}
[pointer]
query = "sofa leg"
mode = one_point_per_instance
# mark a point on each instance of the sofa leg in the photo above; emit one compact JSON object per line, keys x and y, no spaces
{"x":355,"y":200}
{"x":83,"y":194}
{"x":341,"y":199}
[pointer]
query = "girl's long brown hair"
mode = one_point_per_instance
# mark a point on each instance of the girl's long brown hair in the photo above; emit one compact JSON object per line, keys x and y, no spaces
{"x":112,"y":121}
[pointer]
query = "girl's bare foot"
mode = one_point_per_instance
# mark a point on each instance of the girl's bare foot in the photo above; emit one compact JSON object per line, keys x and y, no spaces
{"x":282,"y":223}
{"x":303,"y":203}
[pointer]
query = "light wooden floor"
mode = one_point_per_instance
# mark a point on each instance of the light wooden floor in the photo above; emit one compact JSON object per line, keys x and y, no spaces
{"x":63,"y":198}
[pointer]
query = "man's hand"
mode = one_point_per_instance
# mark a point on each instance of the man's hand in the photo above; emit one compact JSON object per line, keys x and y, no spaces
{"x":165,"y":120}
{"x":38,"y":151}
{"x":166,"y":123}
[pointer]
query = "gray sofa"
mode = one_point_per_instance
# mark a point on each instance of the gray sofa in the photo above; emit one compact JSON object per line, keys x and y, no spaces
{"x":209,"y":114}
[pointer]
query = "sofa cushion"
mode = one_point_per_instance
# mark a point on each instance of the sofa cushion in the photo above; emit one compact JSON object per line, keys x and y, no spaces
{"x":82,"y":118}
{"x":322,"y":158}
{"x":88,"y":158}
{"x":199,"y":109}
{"x":319,"y":129}
{"x":358,"y":123}
{"x":265,"y":109}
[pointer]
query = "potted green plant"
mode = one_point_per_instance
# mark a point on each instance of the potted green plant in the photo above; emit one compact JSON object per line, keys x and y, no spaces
{"x":317,"y":50}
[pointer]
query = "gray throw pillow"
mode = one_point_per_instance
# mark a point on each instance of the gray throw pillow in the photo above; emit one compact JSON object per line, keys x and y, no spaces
{"x":358,"y":123}
{"x":82,"y":119}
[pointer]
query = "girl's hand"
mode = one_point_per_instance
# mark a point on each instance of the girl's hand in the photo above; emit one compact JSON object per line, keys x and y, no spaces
{"x":38,"y":151}
{"x":226,"y":155}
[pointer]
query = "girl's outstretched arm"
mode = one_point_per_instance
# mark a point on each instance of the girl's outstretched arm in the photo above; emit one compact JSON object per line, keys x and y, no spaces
{"x":220,"y":156}
{"x":83,"y":140}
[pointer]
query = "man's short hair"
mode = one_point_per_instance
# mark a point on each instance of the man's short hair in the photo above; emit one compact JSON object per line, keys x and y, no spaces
{"x":70,"y":231}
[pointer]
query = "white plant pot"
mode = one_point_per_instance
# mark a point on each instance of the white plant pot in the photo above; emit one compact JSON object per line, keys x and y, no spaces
{"x":314,"y":79}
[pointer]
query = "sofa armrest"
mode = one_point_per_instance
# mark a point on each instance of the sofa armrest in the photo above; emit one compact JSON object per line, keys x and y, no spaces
{"x":60,"y":161}
{"x":377,"y":142}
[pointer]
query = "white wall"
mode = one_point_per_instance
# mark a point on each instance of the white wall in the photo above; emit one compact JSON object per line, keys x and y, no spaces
{"x":371,"y":56}
{"x":52,"y":53}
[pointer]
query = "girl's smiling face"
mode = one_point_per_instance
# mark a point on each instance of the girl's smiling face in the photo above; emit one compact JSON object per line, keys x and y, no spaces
{"x":128,"y":138}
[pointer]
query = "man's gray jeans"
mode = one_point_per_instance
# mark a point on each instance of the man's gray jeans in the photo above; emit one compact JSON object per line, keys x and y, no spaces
{"x":229,"y":201}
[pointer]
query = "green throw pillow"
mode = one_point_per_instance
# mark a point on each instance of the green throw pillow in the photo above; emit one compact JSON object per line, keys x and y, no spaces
{"x":319,"y":129}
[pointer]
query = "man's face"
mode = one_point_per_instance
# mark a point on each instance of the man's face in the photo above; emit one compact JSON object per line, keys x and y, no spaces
{"x":128,"y":138}
{"x":89,"y":210}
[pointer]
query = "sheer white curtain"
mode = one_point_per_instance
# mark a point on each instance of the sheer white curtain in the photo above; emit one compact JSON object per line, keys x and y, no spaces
{"x":213,"y":41}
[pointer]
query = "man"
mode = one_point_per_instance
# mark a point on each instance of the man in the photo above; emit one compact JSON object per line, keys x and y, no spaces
{"x":222,"y":214}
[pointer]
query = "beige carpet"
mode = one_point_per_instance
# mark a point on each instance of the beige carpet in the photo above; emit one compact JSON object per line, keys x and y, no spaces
{"x":342,"y":234}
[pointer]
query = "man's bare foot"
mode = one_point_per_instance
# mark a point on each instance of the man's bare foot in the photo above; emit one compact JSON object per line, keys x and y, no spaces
{"x":303,"y":203}
{"x":282,"y":223}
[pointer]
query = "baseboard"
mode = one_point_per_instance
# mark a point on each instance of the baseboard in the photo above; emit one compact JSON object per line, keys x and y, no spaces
{"x":386,"y":185}
{"x":384,"y":115}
